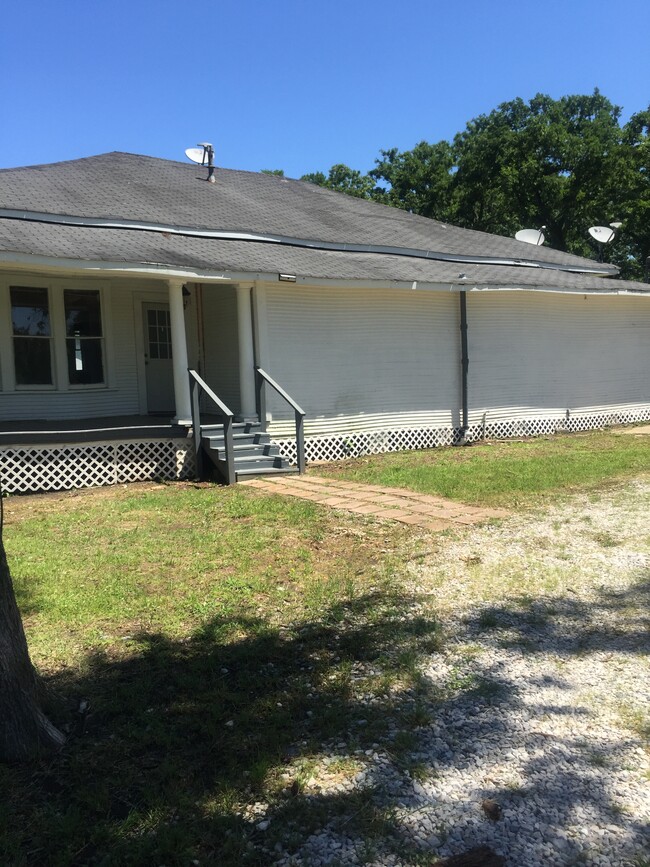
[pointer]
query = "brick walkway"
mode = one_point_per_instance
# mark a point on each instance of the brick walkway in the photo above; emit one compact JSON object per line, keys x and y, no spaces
{"x":397,"y":504}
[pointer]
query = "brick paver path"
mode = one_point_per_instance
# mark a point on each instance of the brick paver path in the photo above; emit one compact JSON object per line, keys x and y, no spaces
{"x":397,"y":504}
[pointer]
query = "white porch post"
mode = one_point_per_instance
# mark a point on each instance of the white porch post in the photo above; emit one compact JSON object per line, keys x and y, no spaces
{"x":246,"y":353}
{"x":179,"y":352}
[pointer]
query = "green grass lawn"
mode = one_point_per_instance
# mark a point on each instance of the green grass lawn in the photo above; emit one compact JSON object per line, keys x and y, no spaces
{"x":221,"y":638}
{"x":505,"y":473}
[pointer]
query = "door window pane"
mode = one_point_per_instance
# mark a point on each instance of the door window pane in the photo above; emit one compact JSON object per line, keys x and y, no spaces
{"x":30,"y":319}
{"x":160,"y":333}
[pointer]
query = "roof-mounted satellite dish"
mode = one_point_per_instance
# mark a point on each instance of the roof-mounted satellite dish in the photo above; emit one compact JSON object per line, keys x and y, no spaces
{"x":602,"y":234}
{"x":531,"y":236}
{"x":203,"y":154}
{"x":197,"y":155}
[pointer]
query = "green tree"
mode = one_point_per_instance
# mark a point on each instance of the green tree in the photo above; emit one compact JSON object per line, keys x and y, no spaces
{"x":345,"y":180}
{"x":631,"y":248}
{"x":420,"y":180}
{"x":546,"y":162}
{"x":565,"y":164}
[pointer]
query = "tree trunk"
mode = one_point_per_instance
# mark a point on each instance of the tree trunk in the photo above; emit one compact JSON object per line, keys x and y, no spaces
{"x":25,"y":731}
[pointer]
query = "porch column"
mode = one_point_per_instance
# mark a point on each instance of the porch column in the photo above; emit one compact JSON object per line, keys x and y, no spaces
{"x":247,"y":401}
{"x":179,"y":353}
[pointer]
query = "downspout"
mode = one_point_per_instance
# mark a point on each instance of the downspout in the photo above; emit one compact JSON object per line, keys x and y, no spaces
{"x":464,"y":362}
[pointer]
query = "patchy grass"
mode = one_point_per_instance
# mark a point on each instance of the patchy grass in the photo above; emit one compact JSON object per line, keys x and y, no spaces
{"x":505,"y":473}
{"x":224,"y":641}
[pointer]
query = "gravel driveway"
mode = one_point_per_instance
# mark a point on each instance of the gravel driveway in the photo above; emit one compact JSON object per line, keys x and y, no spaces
{"x":546,"y":678}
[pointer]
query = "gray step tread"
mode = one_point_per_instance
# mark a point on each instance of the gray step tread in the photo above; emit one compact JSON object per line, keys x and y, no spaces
{"x":268,"y":472}
{"x":239,"y":438}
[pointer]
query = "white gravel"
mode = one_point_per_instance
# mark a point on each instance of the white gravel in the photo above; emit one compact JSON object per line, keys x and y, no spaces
{"x":546,"y":683}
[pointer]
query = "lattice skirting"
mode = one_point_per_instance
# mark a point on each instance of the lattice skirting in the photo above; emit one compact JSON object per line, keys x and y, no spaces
{"x":352,"y":445}
{"x":83,"y":465}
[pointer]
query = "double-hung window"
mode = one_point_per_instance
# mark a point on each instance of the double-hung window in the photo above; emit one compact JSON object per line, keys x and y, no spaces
{"x":58,"y":337}
{"x":32,"y":335}
{"x":83,"y":336}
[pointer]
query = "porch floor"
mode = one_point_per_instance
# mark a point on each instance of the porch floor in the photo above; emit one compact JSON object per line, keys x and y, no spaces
{"x":116,"y":427}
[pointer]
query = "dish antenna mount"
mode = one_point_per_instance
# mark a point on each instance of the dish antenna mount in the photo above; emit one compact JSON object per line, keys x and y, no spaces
{"x":531,"y":236}
{"x":604,"y":235}
{"x":203,"y":154}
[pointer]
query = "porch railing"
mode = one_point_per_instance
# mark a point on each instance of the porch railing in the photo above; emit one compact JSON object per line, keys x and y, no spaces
{"x":262,"y":378}
{"x":198,"y":385}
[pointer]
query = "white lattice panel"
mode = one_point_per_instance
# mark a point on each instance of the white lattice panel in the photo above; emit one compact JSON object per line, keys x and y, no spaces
{"x":85,"y":465}
{"x":333,"y":448}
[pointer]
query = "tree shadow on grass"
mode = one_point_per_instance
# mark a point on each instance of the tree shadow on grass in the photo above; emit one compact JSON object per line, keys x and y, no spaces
{"x":183,"y":733}
{"x":181,"y":758}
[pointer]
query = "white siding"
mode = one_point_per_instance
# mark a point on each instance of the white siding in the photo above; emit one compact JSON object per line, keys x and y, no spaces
{"x":121,"y":301}
{"x":364,"y":359}
{"x":539,"y":355}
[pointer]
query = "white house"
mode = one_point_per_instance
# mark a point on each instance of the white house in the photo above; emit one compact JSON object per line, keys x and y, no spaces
{"x":119,"y":272}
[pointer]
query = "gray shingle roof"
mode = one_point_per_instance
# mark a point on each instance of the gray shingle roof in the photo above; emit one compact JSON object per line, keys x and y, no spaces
{"x":129,"y":246}
{"x":140,"y":188}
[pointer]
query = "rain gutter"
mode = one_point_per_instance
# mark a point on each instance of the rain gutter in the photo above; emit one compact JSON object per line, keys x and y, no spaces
{"x":284,"y":240}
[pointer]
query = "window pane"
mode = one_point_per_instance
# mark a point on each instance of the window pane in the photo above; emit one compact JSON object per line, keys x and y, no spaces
{"x":82,"y":313}
{"x":32,"y":360}
{"x":85,"y":364}
{"x":30,"y":312}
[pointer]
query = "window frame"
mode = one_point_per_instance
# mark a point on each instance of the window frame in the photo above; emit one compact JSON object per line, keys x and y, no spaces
{"x":33,"y":386}
{"x":75,"y":386}
{"x":58,"y":337}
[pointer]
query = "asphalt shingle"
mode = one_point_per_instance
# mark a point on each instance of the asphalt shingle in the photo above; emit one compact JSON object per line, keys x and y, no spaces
{"x":130,"y":187}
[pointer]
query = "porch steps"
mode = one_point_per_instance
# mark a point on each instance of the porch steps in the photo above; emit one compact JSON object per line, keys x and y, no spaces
{"x":254,"y":453}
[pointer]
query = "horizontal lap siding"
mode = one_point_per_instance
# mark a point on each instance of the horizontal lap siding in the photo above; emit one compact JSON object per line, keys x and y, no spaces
{"x":541,"y":355}
{"x":364,"y":359}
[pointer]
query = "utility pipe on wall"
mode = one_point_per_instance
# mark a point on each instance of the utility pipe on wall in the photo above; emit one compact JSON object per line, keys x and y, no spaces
{"x":464,"y":361}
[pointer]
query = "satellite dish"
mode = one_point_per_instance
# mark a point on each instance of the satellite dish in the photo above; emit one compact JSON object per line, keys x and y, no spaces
{"x":616,"y":226}
{"x":203,"y":154}
{"x":197,"y":155}
{"x":602,"y":234}
{"x":531,"y":236}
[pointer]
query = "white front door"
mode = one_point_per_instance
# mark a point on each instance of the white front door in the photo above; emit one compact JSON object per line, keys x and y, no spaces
{"x":158,"y":358}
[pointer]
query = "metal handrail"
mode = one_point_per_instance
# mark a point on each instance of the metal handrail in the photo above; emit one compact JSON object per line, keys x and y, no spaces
{"x":196,"y":386}
{"x":262,"y":377}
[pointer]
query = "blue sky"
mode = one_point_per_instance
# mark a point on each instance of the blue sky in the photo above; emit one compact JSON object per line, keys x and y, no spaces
{"x":296,"y":85}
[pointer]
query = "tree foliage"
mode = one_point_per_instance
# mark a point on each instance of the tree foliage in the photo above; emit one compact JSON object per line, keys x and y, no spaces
{"x":565,"y":164}
{"x":345,"y":180}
